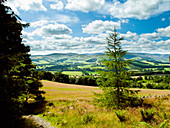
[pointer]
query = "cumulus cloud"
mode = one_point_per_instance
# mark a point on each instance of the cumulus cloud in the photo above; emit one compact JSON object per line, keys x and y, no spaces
{"x":27,"y":36}
{"x":129,"y":35}
{"x":153,"y":36}
{"x":40,"y":23}
{"x":164,"y":31}
{"x":146,"y":46}
{"x":96,"y":44}
{"x":59,"y":19}
{"x":34,"y":5}
{"x":53,"y":29}
{"x":66,"y":43}
{"x":54,"y":37}
{"x":84,"y":5}
{"x":57,"y":37}
{"x":99,"y":26}
{"x":58,"y":6}
{"x":140,"y":9}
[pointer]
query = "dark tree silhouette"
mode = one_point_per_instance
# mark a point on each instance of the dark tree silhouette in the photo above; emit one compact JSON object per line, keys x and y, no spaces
{"x":17,"y":84}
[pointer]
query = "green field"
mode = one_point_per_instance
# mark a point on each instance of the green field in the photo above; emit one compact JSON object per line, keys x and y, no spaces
{"x":78,"y":64}
{"x":73,"y":73}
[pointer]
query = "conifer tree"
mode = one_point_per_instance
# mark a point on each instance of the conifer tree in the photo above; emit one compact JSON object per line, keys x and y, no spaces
{"x":114,"y":82}
{"x":17,"y":84}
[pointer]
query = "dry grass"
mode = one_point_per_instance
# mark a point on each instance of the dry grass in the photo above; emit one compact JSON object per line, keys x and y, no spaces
{"x":72,"y":106}
{"x":55,"y":90}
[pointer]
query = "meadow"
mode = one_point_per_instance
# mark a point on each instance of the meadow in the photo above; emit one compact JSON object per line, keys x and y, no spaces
{"x":72,"y":106}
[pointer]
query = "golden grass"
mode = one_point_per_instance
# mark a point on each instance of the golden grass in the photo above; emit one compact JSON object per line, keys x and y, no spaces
{"x":55,"y":90}
{"x":73,"y":107}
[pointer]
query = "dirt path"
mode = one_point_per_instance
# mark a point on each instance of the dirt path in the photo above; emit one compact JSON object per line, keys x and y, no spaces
{"x":38,"y":121}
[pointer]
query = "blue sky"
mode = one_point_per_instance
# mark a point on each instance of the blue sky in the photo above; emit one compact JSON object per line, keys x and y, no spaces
{"x":81,"y":26}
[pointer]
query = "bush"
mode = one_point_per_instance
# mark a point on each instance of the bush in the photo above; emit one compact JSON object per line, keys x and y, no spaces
{"x":48,"y":76}
{"x":86,"y":80}
{"x":140,"y":85}
{"x":147,"y":115}
{"x":72,"y":80}
{"x":148,"y":85}
{"x":86,"y":118}
{"x":63,"y":78}
{"x":121,"y":115}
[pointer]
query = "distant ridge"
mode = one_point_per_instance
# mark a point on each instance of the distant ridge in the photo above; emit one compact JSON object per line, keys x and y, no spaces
{"x":142,"y":56}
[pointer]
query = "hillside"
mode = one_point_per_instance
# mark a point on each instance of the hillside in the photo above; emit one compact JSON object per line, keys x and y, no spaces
{"x":89,"y":63}
{"x":72,"y":106}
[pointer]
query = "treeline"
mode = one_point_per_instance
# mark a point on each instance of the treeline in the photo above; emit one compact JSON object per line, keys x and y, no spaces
{"x":146,"y":65}
{"x":148,"y":81}
{"x":63,"y":78}
{"x":151,"y":72}
{"x":151,"y":82}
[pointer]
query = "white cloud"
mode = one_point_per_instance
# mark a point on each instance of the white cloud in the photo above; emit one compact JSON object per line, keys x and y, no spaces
{"x":94,"y":44}
{"x":164,"y":31}
{"x":165,"y":44}
{"x":66,"y":19}
{"x":153,"y":36}
{"x":53,"y":29}
{"x":54,"y":37}
{"x":99,"y":26}
{"x":40,"y":23}
{"x":66,"y":43}
{"x":26,"y":35}
{"x":140,"y":9}
{"x":58,"y":6}
{"x":84,"y":5}
{"x":125,"y":20}
{"x":58,"y":37}
{"x":34,"y":5}
{"x":129,"y":35}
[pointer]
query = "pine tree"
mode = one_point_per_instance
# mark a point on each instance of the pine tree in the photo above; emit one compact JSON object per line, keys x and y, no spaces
{"x":17,"y":85}
{"x":114,"y":82}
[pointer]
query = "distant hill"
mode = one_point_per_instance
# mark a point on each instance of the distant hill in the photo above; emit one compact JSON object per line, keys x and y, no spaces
{"x":92,"y":62}
{"x":136,"y":56}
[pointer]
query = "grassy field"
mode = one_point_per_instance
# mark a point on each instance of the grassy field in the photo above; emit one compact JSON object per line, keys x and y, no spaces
{"x":73,"y":73}
{"x":71,"y":106}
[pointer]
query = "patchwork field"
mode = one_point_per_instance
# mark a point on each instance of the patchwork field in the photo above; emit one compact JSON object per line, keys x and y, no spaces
{"x":83,"y":64}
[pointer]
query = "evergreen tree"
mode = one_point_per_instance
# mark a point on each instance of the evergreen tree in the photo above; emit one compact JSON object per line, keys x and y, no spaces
{"x":17,"y":85}
{"x":114,"y":82}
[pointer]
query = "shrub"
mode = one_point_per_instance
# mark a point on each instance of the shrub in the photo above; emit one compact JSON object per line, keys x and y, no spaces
{"x":163,"y":124}
{"x":147,"y":115}
{"x":148,"y":85}
{"x":86,"y":118}
{"x":72,"y":80}
{"x":140,"y":85}
{"x":121,"y":115}
{"x":59,"y":77}
{"x":48,"y":76}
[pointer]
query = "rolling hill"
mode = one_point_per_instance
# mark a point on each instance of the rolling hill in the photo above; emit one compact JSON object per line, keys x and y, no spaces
{"x":89,"y":63}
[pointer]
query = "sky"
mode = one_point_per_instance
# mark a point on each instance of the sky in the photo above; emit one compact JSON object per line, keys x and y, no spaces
{"x":81,"y":26}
